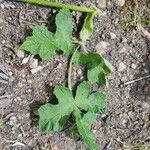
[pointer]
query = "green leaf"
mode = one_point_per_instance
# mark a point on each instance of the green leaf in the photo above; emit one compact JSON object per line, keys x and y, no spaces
{"x":41,"y":42}
{"x":84,"y":127}
{"x":97,"y":75}
{"x":98,"y":67}
{"x":82,"y":94}
{"x":95,"y":102}
{"x":63,"y":33}
{"x":80,"y":58}
{"x":45,"y":43}
{"x":54,"y":117}
{"x":87,"y":28}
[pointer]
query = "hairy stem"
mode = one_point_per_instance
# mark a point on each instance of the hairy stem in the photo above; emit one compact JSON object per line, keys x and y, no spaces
{"x":70,"y":68}
{"x":82,"y":45}
{"x":59,"y":5}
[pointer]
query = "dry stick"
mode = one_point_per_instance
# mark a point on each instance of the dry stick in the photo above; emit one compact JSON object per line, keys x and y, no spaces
{"x":141,"y":78}
{"x":59,"y":5}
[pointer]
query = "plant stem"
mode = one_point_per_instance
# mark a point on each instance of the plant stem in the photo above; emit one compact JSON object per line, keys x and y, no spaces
{"x":59,"y":5}
{"x":70,"y":68}
{"x":82,"y":45}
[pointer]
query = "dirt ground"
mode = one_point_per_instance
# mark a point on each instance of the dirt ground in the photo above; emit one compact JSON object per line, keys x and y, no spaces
{"x":127,"y":122}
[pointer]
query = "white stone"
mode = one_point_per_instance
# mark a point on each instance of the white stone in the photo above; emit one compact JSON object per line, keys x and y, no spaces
{"x":20,"y":54}
{"x":25,"y":60}
{"x":121,"y":67}
{"x":79,"y":71}
{"x":119,"y":2}
{"x":33,"y":63}
{"x":102,"y":47}
{"x":133,"y":66}
{"x":112,"y":35}
{"x":59,"y":65}
{"x":2,"y":6}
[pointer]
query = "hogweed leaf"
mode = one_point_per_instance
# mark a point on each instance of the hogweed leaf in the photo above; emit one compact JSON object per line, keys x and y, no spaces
{"x":98,"y":67}
{"x":45,"y":43}
{"x":64,"y":29}
{"x":94,"y":102}
{"x":54,"y":117}
{"x":82,"y":94}
{"x":84,"y":127}
{"x":41,"y":42}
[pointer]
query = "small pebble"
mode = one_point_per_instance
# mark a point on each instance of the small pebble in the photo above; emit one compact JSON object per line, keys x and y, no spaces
{"x":25,"y":60}
{"x":20,"y":54}
{"x":79,"y":71}
{"x":102,"y":47}
{"x":121,"y":67}
{"x":112,"y":35}
{"x":59,"y":65}
{"x":33,"y":63}
{"x":2,"y":6}
{"x":119,"y":2}
{"x":124,"y":40}
{"x":12,"y":120}
{"x":133,"y":66}
{"x":10,"y":73}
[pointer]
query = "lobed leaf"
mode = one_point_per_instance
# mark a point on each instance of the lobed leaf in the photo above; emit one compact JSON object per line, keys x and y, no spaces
{"x":95,"y":102}
{"x":98,"y":67}
{"x":45,"y":43}
{"x":84,"y":127}
{"x":41,"y":42}
{"x":54,"y":117}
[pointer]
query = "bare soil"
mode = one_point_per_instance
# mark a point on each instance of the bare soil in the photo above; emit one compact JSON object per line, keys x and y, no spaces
{"x":127,"y":121}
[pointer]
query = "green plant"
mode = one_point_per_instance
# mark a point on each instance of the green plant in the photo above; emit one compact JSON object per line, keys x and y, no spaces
{"x":135,"y":14}
{"x":45,"y":43}
{"x":85,"y":104}
{"x":136,"y":18}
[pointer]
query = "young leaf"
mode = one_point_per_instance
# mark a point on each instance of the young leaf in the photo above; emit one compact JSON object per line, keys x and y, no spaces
{"x":53,"y":117}
{"x":87,"y":28}
{"x":45,"y":43}
{"x":98,"y":67}
{"x":84,"y":127}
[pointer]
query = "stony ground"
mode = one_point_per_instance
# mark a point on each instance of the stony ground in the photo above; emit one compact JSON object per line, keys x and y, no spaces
{"x":25,"y":89}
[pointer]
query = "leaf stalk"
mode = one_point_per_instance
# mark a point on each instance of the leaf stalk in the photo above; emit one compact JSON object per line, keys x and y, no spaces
{"x":70,"y":68}
{"x":59,"y":5}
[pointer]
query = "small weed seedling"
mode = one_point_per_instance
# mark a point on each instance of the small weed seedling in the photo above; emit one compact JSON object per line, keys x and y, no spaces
{"x":85,"y":104}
